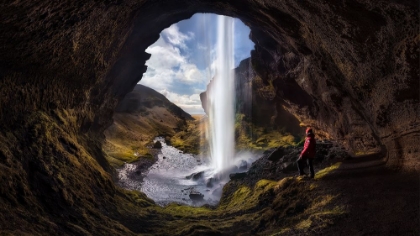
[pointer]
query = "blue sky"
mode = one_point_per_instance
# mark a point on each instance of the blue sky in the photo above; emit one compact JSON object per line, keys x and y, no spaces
{"x":182,"y":59}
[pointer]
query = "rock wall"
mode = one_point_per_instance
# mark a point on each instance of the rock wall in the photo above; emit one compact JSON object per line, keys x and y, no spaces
{"x":348,"y":68}
{"x":257,"y":101}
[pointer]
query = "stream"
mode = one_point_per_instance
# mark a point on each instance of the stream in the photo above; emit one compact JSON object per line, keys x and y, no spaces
{"x":178,"y":177}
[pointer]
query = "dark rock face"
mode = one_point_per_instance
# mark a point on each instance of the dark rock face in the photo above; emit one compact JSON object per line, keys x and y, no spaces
{"x":257,"y":102}
{"x":236,"y":176}
{"x":348,"y":68}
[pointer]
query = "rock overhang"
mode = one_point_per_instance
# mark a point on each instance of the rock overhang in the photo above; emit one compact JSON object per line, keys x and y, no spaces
{"x":324,"y":59}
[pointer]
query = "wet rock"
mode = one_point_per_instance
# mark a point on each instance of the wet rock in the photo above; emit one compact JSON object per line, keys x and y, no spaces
{"x":243,"y":166}
{"x":288,"y":166}
{"x":211,"y":182}
{"x":236,"y":176}
{"x":157,"y":145}
{"x":195,"y":176}
{"x":196,"y":196}
{"x":277,"y":154}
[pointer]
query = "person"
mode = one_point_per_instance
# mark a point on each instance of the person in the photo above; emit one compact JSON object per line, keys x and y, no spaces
{"x":308,"y":153}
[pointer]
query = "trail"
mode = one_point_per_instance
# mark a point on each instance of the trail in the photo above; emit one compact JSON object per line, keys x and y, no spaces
{"x":378,"y":199}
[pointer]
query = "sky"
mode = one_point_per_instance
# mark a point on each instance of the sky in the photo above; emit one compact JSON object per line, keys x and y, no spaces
{"x":183,"y":58}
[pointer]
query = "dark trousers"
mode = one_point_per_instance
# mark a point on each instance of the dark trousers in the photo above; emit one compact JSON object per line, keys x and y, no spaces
{"x":301,"y":165}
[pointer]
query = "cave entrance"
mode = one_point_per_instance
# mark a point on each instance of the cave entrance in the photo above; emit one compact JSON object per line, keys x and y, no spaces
{"x":185,"y":62}
{"x":178,"y":135}
{"x":183,"y":59}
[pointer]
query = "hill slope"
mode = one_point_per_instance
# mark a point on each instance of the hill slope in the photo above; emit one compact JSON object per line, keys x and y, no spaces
{"x":141,"y":116}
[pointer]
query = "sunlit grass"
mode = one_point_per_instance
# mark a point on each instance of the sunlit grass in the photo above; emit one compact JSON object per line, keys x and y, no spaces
{"x":322,"y":173}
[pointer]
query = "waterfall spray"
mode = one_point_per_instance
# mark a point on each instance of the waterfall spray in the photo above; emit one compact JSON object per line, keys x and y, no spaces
{"x":222,"y":99}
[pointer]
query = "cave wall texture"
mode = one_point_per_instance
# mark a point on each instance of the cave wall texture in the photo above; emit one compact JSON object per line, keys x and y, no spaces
{"x":348,"y":68}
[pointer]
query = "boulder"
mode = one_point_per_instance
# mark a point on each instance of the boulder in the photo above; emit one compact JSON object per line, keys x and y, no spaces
{"x":195,"y":175}
{"x":157,"y":145}
{"x":211,"y":182}
{"x":196,"y":196}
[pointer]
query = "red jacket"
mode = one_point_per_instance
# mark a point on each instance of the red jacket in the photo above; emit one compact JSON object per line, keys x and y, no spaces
{"x":309,"y":147}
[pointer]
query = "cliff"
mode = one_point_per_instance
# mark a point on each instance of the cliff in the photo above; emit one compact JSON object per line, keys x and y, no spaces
{"x":348,"y":68}
{"x":261,"y":121}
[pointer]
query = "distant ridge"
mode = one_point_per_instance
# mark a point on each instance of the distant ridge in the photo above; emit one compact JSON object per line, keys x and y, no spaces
{"x":142,"y":98}
{"x":140,"y":117}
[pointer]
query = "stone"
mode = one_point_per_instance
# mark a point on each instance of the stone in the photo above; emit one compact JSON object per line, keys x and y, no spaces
{"x":196,"y":196}
{"x":157,"y":145}
{"x":354,"y":80}
{"x":276,"y":154}
{"x":211,"y":182}
{"x":195,"y":176}
{"x":243,"y":166}
{"x":236,"y":176}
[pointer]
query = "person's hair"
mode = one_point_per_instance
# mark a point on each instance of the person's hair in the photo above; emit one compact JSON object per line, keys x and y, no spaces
{"x":309,"y":130}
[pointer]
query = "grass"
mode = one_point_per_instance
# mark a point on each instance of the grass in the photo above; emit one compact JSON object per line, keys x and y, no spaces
{"x":322,"y":173}
{"x":66,"y":169}
{"x":250,"y":136}
{"x":288,"y":206}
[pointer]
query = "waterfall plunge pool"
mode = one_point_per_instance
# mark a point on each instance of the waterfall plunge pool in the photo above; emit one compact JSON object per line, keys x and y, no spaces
{"x":175,"y":175}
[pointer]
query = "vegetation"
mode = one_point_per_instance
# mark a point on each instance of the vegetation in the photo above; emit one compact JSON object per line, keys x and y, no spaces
{"x":288,"y":206}
{"x":53,"y":150}
{"x":254,"y":137}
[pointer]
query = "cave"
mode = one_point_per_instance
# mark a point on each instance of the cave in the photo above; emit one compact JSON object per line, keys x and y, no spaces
{"x":349,"y":68}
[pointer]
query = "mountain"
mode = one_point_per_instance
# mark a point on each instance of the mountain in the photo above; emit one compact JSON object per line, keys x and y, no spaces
{"x":141,"y":116}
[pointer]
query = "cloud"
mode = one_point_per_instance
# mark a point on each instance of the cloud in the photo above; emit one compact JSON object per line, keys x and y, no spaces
{"x":183,"y":62}
{"x":177,"y":38}
{"x":171,"y":73}
{"x":189,"y":103}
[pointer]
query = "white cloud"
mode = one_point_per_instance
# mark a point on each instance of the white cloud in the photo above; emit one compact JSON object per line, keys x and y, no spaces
{"x":189,"y":103}
{"x":182,"y":63}
{"x":192,"y":109}
{"x":177,"y":38}
{"x":170,"y":69}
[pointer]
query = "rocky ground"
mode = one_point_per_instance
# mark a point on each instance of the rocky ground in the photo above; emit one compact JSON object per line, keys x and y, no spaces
{"x":348,"y":68}
{"x":372,"y":198}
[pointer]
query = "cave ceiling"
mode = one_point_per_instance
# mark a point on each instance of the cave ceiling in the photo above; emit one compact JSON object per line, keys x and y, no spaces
{"x":348,"y":68}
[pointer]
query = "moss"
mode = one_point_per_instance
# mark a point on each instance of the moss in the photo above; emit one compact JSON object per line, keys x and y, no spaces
{"x":305,"y":224}
{"x":322,"y":173}
{"x":186,"y":211}
{"x":125,"y":157}
{"x":267,"y":138}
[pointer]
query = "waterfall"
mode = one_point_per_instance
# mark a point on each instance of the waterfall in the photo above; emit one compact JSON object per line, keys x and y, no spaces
{"x":222,"y":99}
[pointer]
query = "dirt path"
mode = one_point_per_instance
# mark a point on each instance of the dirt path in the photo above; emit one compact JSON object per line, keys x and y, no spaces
{"x":378,"y":200}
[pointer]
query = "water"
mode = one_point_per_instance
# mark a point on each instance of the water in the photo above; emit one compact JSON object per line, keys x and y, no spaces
{"x":167,"y":180}
{"x":170,"y":178}
{"x":221,"y":99}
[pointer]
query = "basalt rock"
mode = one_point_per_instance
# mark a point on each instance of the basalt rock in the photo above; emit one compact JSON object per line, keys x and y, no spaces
{"x":350,"y":69}
{"x":157,"y":145}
